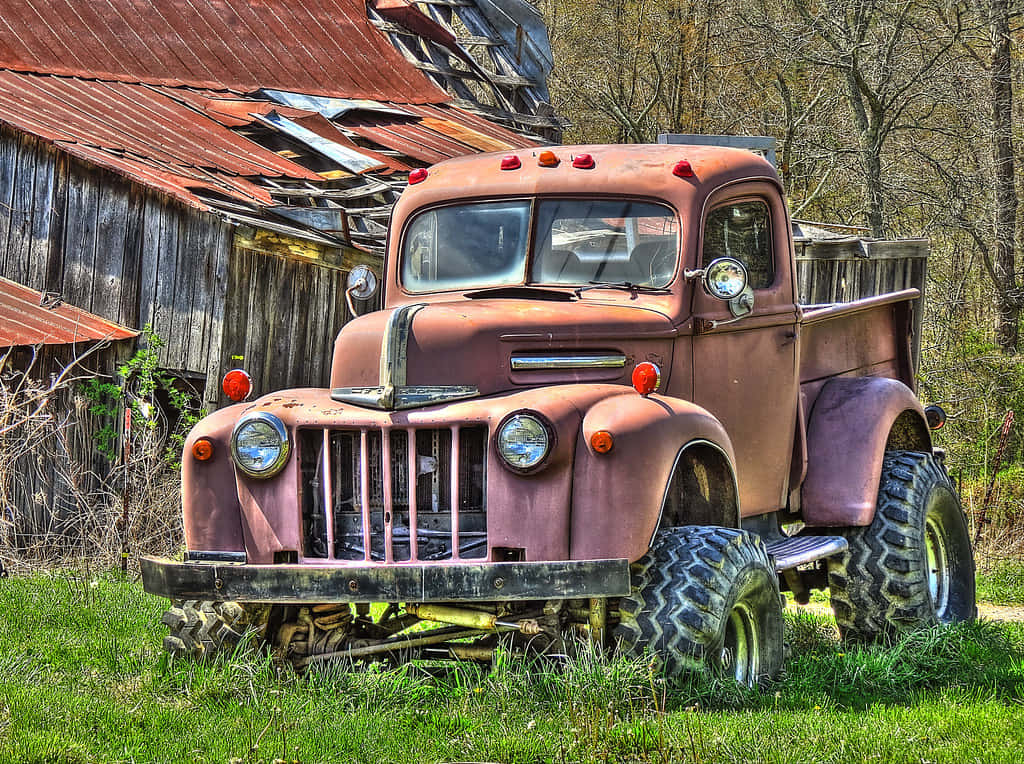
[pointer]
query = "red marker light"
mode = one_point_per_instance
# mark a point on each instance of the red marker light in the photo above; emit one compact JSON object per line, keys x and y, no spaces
{"x":646,"y":378}
{"x":202,"y":449}
{"x":683,"y":169}
{"x":601,"y":441}
{"x":583,"y":162}
{"x":547,"y":159}
{"x":511,"y":162}
{"x":417,"y":176}
{"x":237,"y":385}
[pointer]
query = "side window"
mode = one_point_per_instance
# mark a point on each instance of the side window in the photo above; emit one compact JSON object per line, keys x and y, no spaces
{"x":743,"y":231}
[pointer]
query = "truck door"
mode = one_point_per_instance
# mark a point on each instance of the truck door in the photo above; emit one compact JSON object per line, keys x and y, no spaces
{"x":745,"y":371}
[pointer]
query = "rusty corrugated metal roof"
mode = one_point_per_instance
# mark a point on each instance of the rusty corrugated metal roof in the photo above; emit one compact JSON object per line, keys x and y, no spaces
{"x":432,"y":133}
{"x":322,"y":47}
{"x":311,"y":105}
{"x":24,"y":321}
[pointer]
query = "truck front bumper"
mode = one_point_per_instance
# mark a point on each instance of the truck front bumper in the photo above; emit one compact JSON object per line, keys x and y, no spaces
{"x":457,"y":582}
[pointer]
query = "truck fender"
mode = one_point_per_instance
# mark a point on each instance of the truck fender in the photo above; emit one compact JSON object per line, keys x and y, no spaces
{"x":211,"y":512}
{"x":853,"y":422}
{"x":618,"y":497}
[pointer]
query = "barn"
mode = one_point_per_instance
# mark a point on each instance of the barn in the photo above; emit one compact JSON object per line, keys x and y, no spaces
{"x":212,"y":170}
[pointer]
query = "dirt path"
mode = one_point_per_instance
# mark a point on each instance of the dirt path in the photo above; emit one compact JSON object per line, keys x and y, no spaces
{"x":985,"y":610}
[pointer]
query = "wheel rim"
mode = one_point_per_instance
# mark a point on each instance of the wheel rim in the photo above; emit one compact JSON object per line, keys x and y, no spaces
{"x":740,"y":651}
{"x":938,"y":563}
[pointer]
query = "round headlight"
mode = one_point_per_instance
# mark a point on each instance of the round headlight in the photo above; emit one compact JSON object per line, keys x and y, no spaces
{"x":259,"y":444}
{"x":523,"y":441}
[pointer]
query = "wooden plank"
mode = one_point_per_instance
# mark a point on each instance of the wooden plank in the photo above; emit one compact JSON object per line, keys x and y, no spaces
{"x":19,"y":234}
{"x":42,"y":215}
{"x":53,"y":279}
{"x":108,"y":264}
{"x":218,"y":318}
{"x":9,"y":150}
{"x":150,"y":250}
{"x":135,"y":244}
{"x":165,"y":316}
{"x":79,"y":239}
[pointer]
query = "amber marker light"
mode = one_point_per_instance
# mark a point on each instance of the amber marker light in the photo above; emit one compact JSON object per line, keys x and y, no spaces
{"x":547,"y":159}
{"x":202,"y":450}
{"x":583,"y":162}
{"x":646,"y":378}
{"x":237,"y":385}
{"x":511,"y":162}
{"x":417,"y":176}
{"x":601,"y":441}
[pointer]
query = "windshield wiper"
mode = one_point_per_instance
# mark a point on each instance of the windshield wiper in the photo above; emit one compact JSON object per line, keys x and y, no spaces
{"x":635,"y":289}
{"x":524,"y":292}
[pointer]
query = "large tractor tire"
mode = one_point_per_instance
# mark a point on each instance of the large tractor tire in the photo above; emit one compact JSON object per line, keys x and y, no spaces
{"x":204,"y":630}
{"x":913,"y":567}
{"x":705,"y":598}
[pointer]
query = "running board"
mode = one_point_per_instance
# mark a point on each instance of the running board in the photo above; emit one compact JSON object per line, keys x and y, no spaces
{"x":799,"y":550}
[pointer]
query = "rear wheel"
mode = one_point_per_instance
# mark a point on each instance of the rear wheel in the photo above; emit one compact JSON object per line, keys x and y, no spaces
{"x":913,"y":566}
{"x":705,"y":598}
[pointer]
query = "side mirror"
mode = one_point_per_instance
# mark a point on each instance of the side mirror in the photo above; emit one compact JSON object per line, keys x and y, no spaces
{"x":362,"y":285}
{"x":725,"y":278}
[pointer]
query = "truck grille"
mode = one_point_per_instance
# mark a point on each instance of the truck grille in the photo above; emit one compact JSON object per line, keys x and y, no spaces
{"x":357,"y":503}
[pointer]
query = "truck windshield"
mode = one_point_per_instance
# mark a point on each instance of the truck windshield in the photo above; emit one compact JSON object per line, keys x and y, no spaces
{"x":575,"y":242}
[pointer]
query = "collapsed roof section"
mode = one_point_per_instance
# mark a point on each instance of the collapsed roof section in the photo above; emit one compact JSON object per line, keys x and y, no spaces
{"x":298,"y":118}
{"x":493,"y":56}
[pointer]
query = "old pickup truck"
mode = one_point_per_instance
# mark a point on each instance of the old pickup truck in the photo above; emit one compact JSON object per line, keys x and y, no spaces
{"x":590,"y":404}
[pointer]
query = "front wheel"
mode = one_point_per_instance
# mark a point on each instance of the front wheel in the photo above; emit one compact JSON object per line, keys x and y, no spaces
{"x":913,"y":566}
{"x":205,"y":630}
{"x":705,"y":598}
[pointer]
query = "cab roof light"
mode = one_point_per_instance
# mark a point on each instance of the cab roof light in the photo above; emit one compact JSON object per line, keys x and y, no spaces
{"x":417,"y":176}
{"x":583,"y":162}
{"x":511,"y":162}
{"x":646,"y":378}
{"x":237,"y":385}
{"x":683,"y":169}
{"x":548,"y":159}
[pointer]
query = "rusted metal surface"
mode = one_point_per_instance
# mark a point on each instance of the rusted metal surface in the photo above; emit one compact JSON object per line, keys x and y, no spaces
{"x":847,"y":432}
{"x":301,"y":584}
{"x":28,"y":317}
{"x":323,"y":47}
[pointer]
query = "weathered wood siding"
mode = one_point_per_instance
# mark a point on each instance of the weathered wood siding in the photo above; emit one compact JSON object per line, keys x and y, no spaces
{"x":282,"y":316}
{"x":114,"y":248}
{"x":846,"y":270}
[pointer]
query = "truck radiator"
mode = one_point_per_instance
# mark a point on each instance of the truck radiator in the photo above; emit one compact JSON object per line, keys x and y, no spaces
{"x":394,"y":495}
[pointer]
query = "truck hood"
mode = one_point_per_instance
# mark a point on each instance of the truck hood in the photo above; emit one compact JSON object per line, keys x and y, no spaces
{"x":451,"y":350}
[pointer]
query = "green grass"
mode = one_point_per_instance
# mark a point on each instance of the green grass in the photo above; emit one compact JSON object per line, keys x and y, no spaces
{"x":83,"y":679}
{"x":1001,"y":581}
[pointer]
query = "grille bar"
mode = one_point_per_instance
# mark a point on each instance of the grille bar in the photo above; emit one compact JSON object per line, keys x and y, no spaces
{"x":389,"y":533}
{"x":364,"y":492}
{"x":394,"y":495}
{"x":455,"y":493}
{"x":414,"y":540}
{"x":328,"y":493}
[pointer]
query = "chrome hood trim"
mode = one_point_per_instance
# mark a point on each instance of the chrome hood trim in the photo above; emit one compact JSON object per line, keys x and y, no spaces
{"x":560,"y":361}
{"x":393,"y":393}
